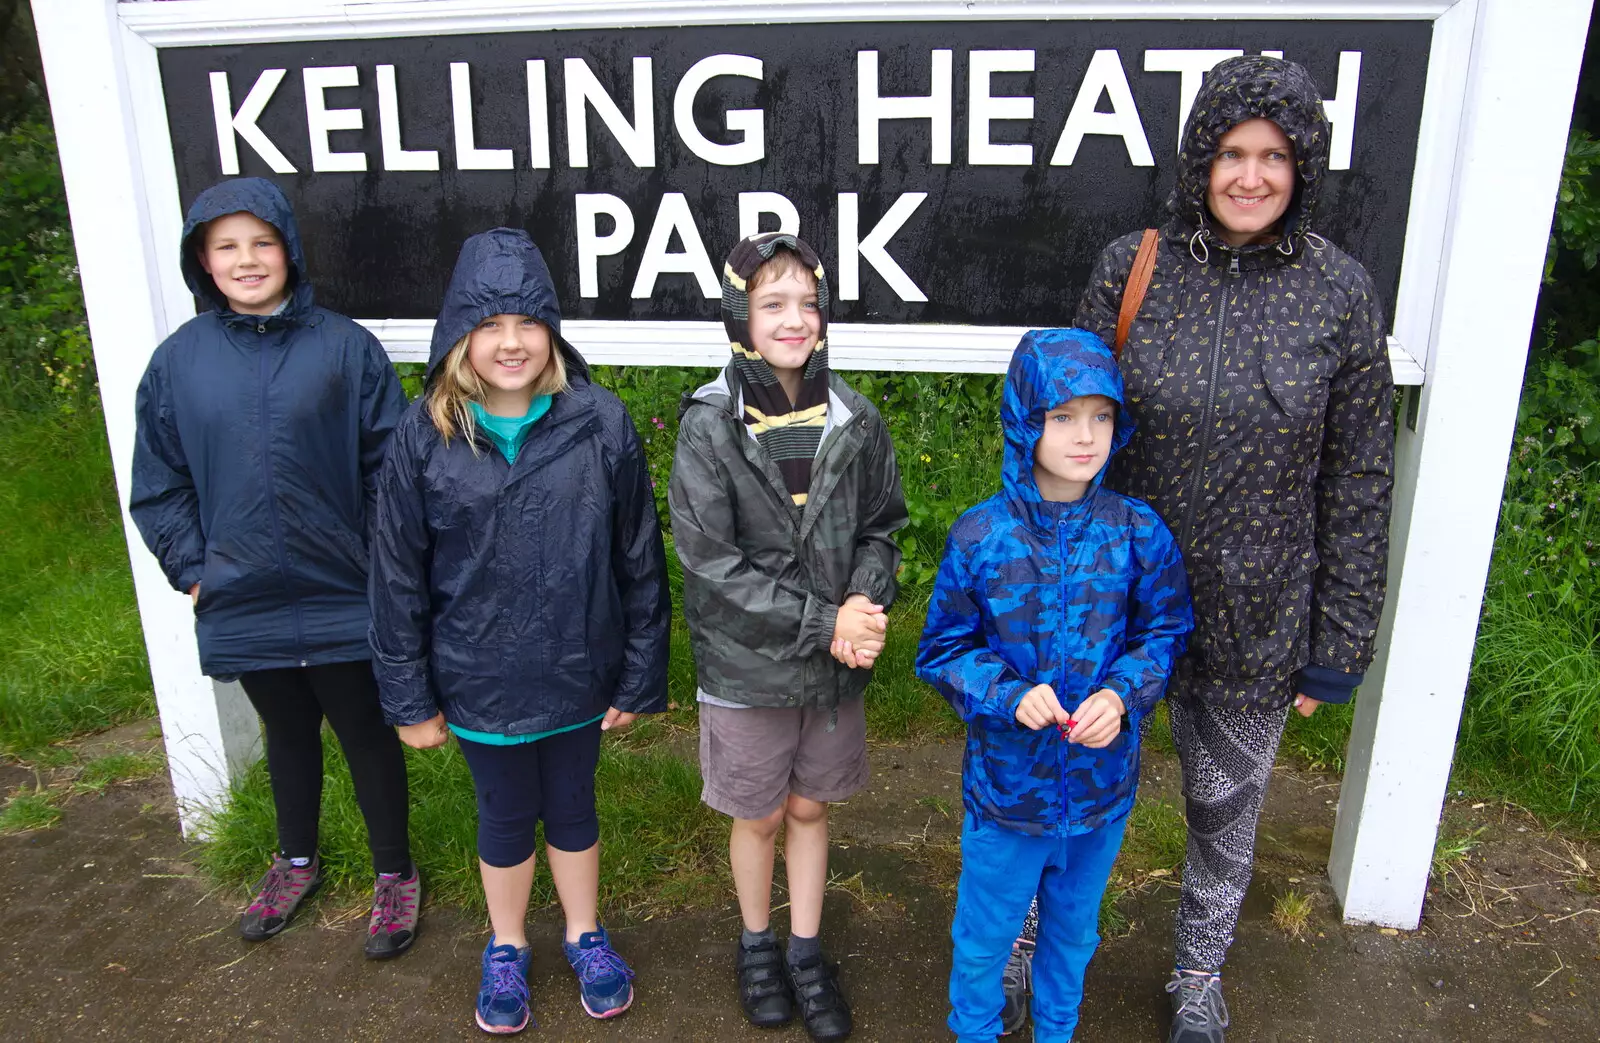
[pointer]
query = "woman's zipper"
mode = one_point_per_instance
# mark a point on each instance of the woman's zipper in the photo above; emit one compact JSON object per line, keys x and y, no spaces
{"x":1211,"y":401}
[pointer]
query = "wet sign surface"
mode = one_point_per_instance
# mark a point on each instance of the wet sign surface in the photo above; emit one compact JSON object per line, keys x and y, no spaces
{"x":946,"y":172}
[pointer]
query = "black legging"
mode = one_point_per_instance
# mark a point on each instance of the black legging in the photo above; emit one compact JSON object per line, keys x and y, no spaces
{"x":292,"y":703}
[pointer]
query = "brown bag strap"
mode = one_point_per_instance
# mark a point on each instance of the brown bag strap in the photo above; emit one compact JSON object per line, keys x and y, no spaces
{"x":1144,"y":265}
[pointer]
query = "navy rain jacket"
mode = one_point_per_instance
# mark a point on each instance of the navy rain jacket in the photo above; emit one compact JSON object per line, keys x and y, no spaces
{"x":255,"y":460}
{"x":1080,"y":596}
{"x":518,"y":598}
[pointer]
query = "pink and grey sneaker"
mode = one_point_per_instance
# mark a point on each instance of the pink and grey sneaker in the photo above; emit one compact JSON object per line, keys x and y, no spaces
{"x":393,"y":926}
{"x":278,"y":895}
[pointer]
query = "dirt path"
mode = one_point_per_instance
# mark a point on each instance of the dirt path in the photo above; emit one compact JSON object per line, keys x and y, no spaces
{"x":108,"y":931}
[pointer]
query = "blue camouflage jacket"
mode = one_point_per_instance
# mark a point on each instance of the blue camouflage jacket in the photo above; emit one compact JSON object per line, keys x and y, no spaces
{"x":1080,"y":596}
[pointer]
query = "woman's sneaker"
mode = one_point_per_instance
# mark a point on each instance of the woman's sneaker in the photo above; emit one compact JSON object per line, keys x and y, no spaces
{"x":393,"y":924}
{"x":815,"y":981}
{"x":1016,"y":985}
{"x":278,"y":895}
{"x":1198,"y":1013}
{"x":503,"y":992}
{"x":763,"y":987}
{"x":605,"y":982}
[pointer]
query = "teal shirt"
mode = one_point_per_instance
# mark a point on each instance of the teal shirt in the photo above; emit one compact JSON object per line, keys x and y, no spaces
{"x":509,"y":432}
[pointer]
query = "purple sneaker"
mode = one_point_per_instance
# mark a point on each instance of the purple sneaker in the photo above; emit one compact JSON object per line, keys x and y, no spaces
{"x":278,"y":895}
{"x":395,"y":903}
{"x":605,"y":982}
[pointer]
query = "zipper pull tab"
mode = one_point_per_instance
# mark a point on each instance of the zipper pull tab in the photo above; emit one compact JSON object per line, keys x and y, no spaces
{"x":1233,"y":265}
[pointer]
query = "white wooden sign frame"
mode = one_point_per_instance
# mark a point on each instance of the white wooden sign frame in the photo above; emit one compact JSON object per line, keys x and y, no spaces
{"x":1500,"y":83}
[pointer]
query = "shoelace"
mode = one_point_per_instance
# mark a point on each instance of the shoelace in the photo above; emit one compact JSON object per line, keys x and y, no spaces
{"x":506,"y":979}
{"x":271,"y":894}
{"x":601,"y":962}
{"x":387,"y":902}
{"x":1197,"y":1007}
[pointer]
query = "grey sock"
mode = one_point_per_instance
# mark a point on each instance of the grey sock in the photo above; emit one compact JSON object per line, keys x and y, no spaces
{"x":800,"y":948}
{"x":751,"y":939}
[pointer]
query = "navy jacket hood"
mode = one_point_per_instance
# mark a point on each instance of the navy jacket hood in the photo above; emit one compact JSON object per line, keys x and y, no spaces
{"x":499,"y":272}
{"x":249,"y":195}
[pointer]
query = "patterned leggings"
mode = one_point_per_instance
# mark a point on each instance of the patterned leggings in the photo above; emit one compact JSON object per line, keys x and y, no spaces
{"x":1227,"y":758}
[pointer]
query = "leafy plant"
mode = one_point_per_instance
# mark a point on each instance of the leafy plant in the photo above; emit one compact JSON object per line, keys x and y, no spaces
{"x":1577,"y":219}
{"x":44,"y":339}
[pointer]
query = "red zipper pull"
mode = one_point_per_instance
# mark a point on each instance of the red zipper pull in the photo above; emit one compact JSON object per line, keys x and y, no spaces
{"x":1065,"y":728}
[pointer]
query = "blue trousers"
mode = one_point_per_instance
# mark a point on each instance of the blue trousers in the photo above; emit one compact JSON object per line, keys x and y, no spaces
{"x":1000,"y":873}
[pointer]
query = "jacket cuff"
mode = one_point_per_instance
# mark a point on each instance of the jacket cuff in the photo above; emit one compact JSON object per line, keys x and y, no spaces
{"x":817,"y":625}
{"x":186,"y":578}
{"x":1327,"y":685}
{"x":871,"y":583}
{"x":405,"y":690}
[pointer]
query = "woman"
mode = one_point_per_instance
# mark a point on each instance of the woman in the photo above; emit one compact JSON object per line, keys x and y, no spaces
{"x":1257,"y":372}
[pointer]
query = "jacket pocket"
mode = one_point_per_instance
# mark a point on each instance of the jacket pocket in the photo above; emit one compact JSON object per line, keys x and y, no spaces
{"x":1263,"y":612}
{"x":1296,"y":372}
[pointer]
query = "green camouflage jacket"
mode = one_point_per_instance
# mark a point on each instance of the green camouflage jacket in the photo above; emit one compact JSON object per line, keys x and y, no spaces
{"x":762,"y":577}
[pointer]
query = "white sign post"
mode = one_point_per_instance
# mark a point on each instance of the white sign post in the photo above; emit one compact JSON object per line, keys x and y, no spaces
{"x":1500,"y":83}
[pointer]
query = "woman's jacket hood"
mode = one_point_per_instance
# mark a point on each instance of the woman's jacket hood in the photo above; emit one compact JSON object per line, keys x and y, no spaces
{"x":1048,"y":368}
{"x":1246,"y":88}
{"x":499,"y":272}
{"x":249,"y":195}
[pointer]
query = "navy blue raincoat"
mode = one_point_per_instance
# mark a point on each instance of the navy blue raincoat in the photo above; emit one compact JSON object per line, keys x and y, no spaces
{"x":1080,"y":596}
{"x":255,"y":460}
{"x":518,"y":598}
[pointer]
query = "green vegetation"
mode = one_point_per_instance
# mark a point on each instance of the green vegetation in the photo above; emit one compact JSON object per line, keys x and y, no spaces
{"x":71,"y":652}
{"x":117,"y":768}
{"x":664,"y":849}
{"x":28,"y":810}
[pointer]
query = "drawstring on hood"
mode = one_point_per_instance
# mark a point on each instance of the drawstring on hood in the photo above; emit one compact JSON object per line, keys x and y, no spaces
{"x":1048,"y":368}
{"x":499,"y":272}
{"x":262,"y":199}
{"x":1240,"y":89}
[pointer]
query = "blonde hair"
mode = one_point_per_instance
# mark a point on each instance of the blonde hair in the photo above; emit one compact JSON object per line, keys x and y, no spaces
{"x":783,"y":261}
{"x":456,"y":384}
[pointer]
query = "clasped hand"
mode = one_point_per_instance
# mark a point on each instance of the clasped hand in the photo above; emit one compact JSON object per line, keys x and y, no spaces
{"x":858,"y":632}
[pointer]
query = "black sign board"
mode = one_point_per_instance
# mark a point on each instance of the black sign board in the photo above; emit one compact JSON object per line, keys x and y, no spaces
{"x":969,"y":171}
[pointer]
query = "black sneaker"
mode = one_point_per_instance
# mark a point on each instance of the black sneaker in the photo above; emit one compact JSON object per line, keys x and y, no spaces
{"x":1016,"y":986}
{"x":763,"y":989}
{"x":815,"y":981}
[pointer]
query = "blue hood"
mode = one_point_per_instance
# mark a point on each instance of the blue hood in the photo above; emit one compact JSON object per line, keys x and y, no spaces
{"x":250,"y":195}
{"x":1048,"y":368}
{"x":499,"y":272}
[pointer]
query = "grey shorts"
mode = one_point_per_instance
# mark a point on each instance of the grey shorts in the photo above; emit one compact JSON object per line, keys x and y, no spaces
{"x":752,"y":758}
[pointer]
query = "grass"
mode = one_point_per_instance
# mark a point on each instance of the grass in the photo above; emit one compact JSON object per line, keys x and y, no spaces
{"x":1291,"y":913}
{"x":664,"y":850}
{"x":29,"y":810}
{"x":118,"y":768}
{"x":1450,"y":851}
{"x":71,"y":649}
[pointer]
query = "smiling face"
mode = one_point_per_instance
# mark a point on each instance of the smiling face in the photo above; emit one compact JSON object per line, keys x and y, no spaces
{"x":785,"y":322}
{"x":1074,"y":447}
{"x":508,"y":353}
{"x":1252,"y":181}
{"x":246,"y":258}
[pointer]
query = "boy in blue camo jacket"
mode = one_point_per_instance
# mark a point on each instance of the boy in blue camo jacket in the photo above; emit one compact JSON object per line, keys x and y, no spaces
{"x":1059,"y":610}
